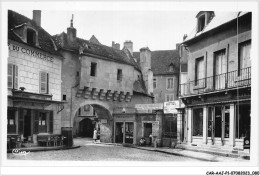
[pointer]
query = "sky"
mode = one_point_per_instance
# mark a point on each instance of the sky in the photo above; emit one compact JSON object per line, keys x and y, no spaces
{"x":158,"y":30}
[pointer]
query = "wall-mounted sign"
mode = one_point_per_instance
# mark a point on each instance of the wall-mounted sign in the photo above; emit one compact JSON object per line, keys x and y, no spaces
{"x":30,"y":52}
{"x":170,"y":107}
{"x":147,"y":108}
{"x":103,"y":120}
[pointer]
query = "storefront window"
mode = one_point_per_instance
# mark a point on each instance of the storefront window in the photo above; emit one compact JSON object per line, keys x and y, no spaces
{"x":11,"y":124}
{"x":243,"y":120}
{"x":227,"y":110}
{"x":198,"y":122}
{"x":129,"y":131}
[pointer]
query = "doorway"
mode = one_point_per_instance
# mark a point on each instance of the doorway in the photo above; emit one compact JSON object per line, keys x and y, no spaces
{"x":147,"y":131}
{"x":86,"y":127}
{"x":119,"y":132}
{"x":27,"y":122}
{"x":129,"y":132}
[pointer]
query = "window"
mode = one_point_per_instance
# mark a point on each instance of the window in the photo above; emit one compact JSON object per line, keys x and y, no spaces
{"x":11,"y":124}
{"x":119,"y":74}
{"x":198,"y":122}
{"x":154,"y":83}
{"x":244,"y":56}
{"x":220,"y":68}
{"x":42,"y":122}
{"x":44,"y":81}
{"x":169,"y":97}
{"x":171,"y":67}
{"x":184,"y":68}
{"x":31,"y":36}
{"x":93,"y":69}
{"x":169,"y":83}
{"x":201,"y":23}
{"x":199,"y":71}
{"x":170,"y":126}
{"x":64,"y":97}
{"x":79,"y":112}
{"x":12,"y":80}
{"x":243,"y":121}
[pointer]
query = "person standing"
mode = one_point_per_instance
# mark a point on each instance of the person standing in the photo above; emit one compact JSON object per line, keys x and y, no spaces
{"x":95,"y":135}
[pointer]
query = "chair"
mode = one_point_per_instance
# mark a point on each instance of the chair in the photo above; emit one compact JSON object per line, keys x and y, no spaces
{"x":61,"y":140}
{"x":53,"y":140}
{"x":18,"y":142}
{"x":29,"y":141}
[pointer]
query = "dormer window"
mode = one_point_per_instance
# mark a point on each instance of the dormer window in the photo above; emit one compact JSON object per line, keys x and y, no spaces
{"x":201,"y":22}
{"x":171,"y":67}
{"x":31,"y":36}
{"x":203,"y":19}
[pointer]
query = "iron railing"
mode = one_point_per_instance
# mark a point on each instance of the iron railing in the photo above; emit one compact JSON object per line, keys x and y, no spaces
{"x":237,"y":78}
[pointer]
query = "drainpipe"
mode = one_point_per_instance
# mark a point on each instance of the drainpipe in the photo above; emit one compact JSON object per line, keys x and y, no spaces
{"x":237,"y":113}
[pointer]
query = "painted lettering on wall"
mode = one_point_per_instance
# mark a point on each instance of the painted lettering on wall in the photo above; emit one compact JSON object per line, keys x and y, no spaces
{"x":30,"y":52}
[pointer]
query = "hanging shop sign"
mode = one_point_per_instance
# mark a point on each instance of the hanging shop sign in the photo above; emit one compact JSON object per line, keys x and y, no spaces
{"x":147,"y":108}
{"x":170,"y":107}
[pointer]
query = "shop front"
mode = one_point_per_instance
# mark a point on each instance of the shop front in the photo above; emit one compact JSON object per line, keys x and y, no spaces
{"x":30,"y":115}
{"x":219,"y":124}
{"x":124,"y":128}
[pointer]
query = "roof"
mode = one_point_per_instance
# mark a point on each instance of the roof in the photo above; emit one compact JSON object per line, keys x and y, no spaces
{"x":139,"y":86}
{"x":45,"y":40}
{"x":219,"y":19}
{"x":161,"y":60}
{"x":93,"y":48}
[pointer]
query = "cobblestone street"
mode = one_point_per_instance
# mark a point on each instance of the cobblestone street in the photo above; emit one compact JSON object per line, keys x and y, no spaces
{"x":100,"y":152}
{"x":90,"y":151}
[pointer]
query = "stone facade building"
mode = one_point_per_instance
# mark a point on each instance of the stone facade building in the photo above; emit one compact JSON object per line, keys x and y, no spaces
{"x":165,"y":67}
{"x":217,"y":91}
{"x":104,"y":78}
{"x":34,"y":79}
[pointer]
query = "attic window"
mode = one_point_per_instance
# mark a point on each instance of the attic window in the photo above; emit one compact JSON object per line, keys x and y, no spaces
{"x":31,"y":36}
{"x":201,"y":22}
{"x":171,"y":67}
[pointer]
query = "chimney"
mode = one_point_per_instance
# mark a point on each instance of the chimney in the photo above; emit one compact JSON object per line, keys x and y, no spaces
{"x":115,"y":45}
{"x":37,"y":17}
{"x":71,"y":32}
{"x":145,"y":63}
{"x":129,"y":45}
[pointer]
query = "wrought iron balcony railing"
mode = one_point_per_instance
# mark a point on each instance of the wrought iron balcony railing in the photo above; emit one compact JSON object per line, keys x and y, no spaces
{"x":237,"y":78}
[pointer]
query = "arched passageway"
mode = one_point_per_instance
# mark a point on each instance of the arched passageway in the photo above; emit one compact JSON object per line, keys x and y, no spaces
{"x":90,"y":116}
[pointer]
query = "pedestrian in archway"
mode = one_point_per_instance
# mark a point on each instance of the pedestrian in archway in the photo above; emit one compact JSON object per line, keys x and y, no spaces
{"x":95,"y":135}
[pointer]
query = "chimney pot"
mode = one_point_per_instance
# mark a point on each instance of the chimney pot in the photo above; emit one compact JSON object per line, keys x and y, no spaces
{"x":37,"y":17}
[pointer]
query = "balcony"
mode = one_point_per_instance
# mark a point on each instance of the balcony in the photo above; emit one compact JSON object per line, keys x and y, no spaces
{"x":235,"y":79}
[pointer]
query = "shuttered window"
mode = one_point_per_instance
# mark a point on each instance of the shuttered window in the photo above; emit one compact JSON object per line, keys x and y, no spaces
{"x":169,"y":83}
{"x":12,"y":80}
{"x":44,"y":76}
{"x":244,"y":56}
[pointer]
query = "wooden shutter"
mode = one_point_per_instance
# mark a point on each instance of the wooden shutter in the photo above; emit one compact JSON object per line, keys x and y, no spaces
{"x":15,"y":76}
{"x":10,"y":76}
{"x":43,"y":82}
{"x":51,"y":122}
{"x":36,"y":122}
{"x":20,"y":121}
